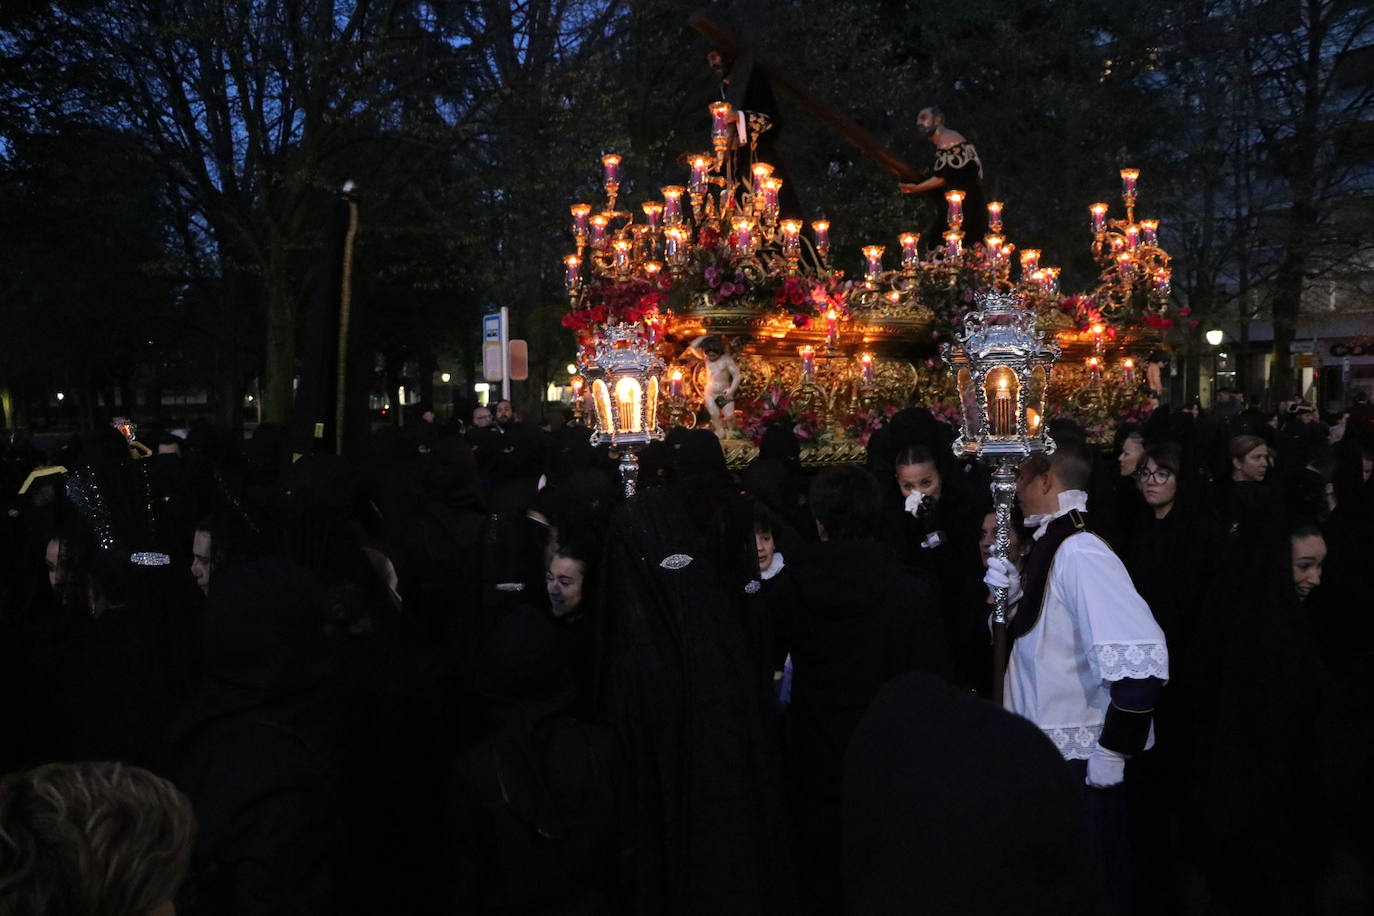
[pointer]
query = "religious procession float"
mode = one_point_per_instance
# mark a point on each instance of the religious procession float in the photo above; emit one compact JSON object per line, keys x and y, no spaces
{"x":705,"y":306}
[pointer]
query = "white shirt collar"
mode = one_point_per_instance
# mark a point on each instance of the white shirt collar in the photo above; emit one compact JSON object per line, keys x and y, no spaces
{"x":1069,"y":499}
{"x":774,"y":567}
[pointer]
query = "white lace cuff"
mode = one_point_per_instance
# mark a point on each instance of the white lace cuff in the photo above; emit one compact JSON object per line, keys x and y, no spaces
{"x":1115,"y":661}
{"x":1075,"y":743}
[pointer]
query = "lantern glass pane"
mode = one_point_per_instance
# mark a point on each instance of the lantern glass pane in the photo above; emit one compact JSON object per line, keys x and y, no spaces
{"x":651,"y":405}
{"x":601,"y":400}
{"x":1035,"y":402}
{"x":1001,"y":388}
{"x":629,"y":398}
{"x":968,"y":405}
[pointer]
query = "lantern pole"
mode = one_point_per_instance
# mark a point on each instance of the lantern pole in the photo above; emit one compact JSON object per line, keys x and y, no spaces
{"x":1003,"y":493}
{"x":629,"y":470}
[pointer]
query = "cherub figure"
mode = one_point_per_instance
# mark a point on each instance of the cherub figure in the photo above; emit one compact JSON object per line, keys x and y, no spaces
{"x":722,"y":381}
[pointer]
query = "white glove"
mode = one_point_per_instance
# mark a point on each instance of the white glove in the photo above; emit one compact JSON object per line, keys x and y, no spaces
{"x":1106,"y":768}
{"x":1002,"y":574}
{"x":913,"y":502}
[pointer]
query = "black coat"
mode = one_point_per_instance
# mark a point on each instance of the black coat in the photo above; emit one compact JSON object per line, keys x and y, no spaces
{"x":253,"y":749}
{"x":853,"y":618}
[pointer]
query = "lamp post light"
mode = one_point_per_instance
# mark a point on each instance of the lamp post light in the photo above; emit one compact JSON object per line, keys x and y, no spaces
{"x":623,"y":377}
{"x":1215,"y":336}
{"x":1001,"y":366}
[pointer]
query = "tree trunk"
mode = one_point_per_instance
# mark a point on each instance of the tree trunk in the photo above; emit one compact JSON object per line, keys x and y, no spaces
{"x":280,"y":344}
{"x":1288,"y":286}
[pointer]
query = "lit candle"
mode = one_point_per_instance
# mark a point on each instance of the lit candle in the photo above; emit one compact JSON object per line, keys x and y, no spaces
{"x":953,"y":246}
{"x":652,"y":211}
{"x":832,"y":326}
{"x":1118,"y":243}
{"x":652,"y":269}
{"x":1032,"y":421}
{"x":771,"y":187}
{"x":622,"y":248}
{"x":1128,"y":180}
{"x":611,"y":178}
{"x":791,"y":238}
{"x":821,"y":228}
{"x":1149,"y":232}
{"x":1126,"y":265}
{"x":995,"y":216}
{"x":722,"y":119}
{"x":675,"y":385}
{"x":1098,"y":331}
{"x":577,"y":387}
{"x":866,"y":367}
{"x":744,"y":234}
{"x":1051,"y":279}
{"x":761,"y":171}
{"x":1003,"y":412}
{"x":675,"y":245}
{"x":625,"y":396}
{"x":1099,"y":212}
{"x":697,"y":184}
{"x":1132,"y":238}
{"x":1094,"y":369}
{"x":580,"y":212}
{"x":1037,"y":279}
{"x":873,"y":258}
{"x":672,"y":205}
{"x":955,"y":200}
{"x":909,"y":242}
{"x":993,"y":243}
{"x":572,"y":266}
{"x":1030,"y":261}
{"x":1161,"y":281}
{"x":808,"y":360}
{"x":1128,"y":371}
{"x":599,"y":223}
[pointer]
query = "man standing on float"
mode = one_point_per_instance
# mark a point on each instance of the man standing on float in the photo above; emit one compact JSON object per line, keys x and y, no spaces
{"x":1088,"y":659}
{"x":957,"y":168}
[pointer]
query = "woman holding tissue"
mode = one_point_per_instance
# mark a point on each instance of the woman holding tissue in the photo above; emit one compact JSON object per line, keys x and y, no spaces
{"x":935,"y":529}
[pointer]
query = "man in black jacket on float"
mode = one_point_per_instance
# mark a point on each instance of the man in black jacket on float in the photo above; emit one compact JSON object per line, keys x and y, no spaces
{"x":853,"y":617}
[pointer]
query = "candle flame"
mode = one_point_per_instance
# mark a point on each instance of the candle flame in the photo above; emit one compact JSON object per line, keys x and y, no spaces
{"x":677,"y":375}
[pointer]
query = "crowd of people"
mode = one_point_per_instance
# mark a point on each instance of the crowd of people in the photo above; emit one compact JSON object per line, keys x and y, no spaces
{"x":462,"y":673}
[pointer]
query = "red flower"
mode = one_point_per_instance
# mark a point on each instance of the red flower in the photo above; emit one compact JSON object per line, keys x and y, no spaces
{"x":1185,"y":311}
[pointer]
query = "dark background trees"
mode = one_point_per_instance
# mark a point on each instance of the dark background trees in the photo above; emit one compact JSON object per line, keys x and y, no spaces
{"x":165,"y":165}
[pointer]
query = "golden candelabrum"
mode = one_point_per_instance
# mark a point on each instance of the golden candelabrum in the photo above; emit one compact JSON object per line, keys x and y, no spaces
{"x":1135,"y":268}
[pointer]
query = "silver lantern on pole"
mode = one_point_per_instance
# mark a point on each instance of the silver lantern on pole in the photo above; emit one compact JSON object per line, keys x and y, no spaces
{"x":1001,"y":364}
{"x":623,"y":379}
